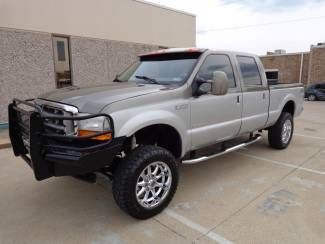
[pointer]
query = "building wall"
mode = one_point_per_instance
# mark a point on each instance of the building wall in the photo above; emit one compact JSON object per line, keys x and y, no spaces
{"x":288,"y":66}
{"x":305,"y":68}
{"x":317,"y":65}
{"x":27,"y":69}
{"x":126,"y":20}
{"x":313,"y":70}
{"x":26,"y":66}
{"x":96,"y":61}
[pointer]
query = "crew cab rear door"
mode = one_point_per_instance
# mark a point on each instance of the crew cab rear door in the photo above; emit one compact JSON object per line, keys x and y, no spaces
{"x":216,"y":118}
{"x":256,"y":95}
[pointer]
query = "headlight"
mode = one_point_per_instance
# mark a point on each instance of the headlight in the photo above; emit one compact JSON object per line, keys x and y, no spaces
{"x":95,"y":125}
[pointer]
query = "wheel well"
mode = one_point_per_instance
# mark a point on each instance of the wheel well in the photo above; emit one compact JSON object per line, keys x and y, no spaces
{"x":161,"y":135}
{"x":289,"y":107}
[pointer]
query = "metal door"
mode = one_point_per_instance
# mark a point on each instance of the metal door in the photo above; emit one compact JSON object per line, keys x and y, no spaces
{"x":216,"y":118}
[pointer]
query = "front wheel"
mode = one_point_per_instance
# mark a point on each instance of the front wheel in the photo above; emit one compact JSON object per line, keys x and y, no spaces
{"x":145,"y":181}
{"x":280,"y":134}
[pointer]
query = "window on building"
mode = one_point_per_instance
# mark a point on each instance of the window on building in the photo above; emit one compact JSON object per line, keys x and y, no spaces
{"x":217,"y":62}
{"x":249,"y":70}
{"x":62,"y":61}
{"x":61,"y":50}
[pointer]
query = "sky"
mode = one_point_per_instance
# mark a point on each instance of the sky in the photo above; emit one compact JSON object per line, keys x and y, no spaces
{"x":255,"y":26}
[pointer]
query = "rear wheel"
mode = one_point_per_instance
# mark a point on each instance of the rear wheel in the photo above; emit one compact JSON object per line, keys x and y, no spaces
{"x":280,"y":134}
{"x":145,"y":181}
{"x":311,"y":97}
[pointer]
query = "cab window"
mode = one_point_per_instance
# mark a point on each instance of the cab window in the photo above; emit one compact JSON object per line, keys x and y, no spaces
{"x":217,"y":62}
{"x":249,"y":70}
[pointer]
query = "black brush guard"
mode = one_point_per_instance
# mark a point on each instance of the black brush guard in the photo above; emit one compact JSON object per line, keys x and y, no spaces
{"x":50,"y":154}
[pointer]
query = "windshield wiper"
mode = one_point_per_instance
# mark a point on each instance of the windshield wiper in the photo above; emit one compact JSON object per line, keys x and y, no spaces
{"x":146,"y":78}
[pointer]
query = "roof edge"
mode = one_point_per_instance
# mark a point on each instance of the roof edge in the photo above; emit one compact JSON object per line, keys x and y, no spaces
{"x":165,"y":7}
{"x":284,"y":54}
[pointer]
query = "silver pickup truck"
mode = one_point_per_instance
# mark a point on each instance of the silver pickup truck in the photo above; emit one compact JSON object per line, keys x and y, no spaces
{"x":170,"y":107}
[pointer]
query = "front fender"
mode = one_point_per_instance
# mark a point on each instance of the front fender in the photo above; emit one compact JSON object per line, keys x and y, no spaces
{"x":148,"y":118}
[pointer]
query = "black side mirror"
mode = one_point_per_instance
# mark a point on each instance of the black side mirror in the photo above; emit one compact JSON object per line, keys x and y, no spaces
{"x":201,"y":87}
{"x":204,"y":88}
{"x":217,"y":86}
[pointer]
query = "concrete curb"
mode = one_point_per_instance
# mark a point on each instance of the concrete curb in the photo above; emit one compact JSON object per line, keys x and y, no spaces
{"x":5,"y":145}
{"x":4,"y":137}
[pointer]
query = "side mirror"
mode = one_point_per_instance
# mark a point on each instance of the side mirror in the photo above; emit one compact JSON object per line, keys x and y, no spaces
{"x":219,"y":83}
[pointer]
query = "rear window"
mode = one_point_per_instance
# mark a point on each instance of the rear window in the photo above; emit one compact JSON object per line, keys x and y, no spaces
{"x":249,"y":70}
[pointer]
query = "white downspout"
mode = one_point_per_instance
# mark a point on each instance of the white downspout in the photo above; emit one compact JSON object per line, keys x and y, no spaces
{"x":301,"y":67}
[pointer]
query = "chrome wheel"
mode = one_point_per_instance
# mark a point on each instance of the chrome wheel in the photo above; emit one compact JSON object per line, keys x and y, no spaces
{"x":311,"y":97}
{"x":153,"y":184}
{"x":286,"y":131}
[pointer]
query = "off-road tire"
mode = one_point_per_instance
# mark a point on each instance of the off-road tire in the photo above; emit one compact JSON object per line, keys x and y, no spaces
{"x":127,"y":173}
{"x":275,"y":132}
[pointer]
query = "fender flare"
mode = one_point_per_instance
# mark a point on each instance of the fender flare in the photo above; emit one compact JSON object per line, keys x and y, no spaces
{"x":288,"y":98}
{"x":157,"y":117}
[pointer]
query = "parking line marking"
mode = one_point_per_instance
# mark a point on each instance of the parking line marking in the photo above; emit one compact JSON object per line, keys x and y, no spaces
{"x":212,"y":235}
{"x":283,"y":164}
{"x":313,"y":137}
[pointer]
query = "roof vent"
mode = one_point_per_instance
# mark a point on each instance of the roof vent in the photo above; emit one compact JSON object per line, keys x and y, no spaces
{"x":320,"y":44}
{"x":277,"y":52}
{"x":280,"y":51}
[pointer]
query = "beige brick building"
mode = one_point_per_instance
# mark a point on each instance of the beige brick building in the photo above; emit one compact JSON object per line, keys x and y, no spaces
{"x":47,"y":44}
{"x":305,"y":67}
{"x":317,"y":64}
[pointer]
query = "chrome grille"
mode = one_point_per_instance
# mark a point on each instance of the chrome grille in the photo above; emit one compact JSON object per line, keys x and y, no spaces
{"x":23,"y":122}
{"x":59,"y":126}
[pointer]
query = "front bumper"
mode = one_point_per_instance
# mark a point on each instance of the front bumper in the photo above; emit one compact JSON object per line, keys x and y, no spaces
{"x":56,"y":155}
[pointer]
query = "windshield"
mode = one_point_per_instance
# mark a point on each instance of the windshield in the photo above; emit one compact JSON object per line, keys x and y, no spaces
{"x":165,"y":69}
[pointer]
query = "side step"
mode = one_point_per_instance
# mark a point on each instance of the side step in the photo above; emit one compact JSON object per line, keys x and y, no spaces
{"x":228,"y":150}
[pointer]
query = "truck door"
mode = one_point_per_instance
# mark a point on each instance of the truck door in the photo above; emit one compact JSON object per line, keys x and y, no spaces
{"x":255,"y":94}
{"x":215,"y":118}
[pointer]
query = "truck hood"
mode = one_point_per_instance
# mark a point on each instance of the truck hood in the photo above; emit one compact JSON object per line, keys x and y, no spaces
{"x":94,"y":99}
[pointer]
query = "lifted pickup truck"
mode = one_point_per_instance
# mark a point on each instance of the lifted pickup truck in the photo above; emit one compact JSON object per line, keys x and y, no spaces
{"x":170,"y":107}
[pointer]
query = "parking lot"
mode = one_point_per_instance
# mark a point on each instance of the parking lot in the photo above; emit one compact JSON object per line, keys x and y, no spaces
{"x":254,"y":195}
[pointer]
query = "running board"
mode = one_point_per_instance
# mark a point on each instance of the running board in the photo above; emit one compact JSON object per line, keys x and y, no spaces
{"x":228,"y":150}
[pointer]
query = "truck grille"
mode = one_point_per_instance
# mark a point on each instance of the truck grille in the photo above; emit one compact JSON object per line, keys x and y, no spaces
{"x":58,"y":126}
{"x":23,"y":122}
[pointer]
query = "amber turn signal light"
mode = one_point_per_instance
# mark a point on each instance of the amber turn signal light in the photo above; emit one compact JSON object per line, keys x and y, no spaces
{"x":104,"y":137}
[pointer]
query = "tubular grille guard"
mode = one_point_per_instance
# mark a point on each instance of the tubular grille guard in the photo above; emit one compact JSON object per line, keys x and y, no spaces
{"x":57,"y":155}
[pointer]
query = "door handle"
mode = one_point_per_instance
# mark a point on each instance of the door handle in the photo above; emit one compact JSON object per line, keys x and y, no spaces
{"x":263,"y":95}
{"x":238,"y":99}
